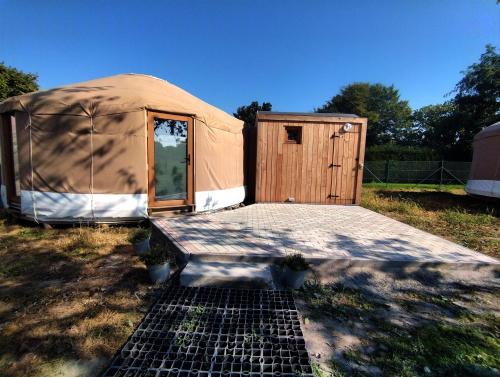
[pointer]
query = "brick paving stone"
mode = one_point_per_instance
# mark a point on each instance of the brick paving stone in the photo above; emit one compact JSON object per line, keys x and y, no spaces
{"x":318,"y":231}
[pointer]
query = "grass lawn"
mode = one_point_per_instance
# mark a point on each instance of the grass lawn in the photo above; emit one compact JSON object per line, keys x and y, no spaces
{"x":445,"y":211}
{"x":409,"y":330}
{"x":69,"y":298}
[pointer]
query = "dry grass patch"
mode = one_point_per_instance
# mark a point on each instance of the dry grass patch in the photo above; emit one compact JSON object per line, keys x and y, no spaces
{"x":69,"y":297}
{"x":447,"y":212}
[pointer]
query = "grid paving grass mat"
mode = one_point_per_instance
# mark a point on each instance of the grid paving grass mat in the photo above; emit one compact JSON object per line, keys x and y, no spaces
{"x":216,"y":332}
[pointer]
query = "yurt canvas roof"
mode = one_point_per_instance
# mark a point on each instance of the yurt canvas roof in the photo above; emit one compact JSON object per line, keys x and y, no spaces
{"x":121,"y":94}
{"x":492,"y":130}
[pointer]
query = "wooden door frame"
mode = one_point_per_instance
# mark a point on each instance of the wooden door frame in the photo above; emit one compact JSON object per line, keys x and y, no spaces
{"x":152,"y":203}
{"x":8,"y":159}
{"x":360,"y":162}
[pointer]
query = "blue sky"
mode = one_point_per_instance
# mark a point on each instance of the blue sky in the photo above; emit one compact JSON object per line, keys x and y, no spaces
{"x":295,"y":54}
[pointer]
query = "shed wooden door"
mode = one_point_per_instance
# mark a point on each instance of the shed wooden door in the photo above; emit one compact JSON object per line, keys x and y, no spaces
{"x":344,"y":165}
{"x":325,"y":167}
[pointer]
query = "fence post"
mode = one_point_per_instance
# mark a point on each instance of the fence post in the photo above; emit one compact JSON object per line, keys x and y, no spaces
{"x":387,"y":172}
{"x":441,"y":175}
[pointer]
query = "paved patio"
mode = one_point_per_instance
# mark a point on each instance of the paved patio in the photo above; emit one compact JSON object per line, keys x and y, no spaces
{"x":318,"y":231}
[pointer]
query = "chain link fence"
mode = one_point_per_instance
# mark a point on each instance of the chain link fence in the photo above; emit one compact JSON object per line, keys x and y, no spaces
{"x":439,"y":172}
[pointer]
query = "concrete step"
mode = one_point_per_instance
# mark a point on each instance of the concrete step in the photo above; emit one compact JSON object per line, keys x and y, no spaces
{"x":227,"y":274}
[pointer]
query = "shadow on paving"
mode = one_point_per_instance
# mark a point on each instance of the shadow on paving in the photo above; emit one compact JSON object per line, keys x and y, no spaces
{"x":277,"y":242}
{"x":203,"y":235}
{"x":216,"y":332}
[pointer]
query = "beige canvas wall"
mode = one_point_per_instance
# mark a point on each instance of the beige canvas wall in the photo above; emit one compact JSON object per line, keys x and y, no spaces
{"x":486,"y":159}
{"x":62,"y":155}
{"x":219,"y":158}
{"x":62,"y":158}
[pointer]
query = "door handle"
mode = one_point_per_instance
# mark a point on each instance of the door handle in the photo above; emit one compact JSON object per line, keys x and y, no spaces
{"x":188,"y":159}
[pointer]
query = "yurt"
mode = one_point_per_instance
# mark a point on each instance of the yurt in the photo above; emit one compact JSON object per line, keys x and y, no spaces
{"x":484,"y":176}
{"x":116,"y":149}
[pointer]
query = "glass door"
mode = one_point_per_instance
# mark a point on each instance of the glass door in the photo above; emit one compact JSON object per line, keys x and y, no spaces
{"x":169,"y":159}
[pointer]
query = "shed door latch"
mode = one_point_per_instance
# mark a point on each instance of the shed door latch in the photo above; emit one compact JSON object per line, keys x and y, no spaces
{"x":333,"y":196}
{"x":335,"y":166}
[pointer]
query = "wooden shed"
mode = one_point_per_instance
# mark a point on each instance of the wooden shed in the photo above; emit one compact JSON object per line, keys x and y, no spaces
{"x":309,"y":157}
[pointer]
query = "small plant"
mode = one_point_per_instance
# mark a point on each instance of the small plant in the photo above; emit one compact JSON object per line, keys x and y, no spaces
{"x":157,"y":255}
{"x":32,"y":233}
{"x":253,"y":337}
{"x":296,"y":262}
{"x":192,"y":319}
{"x":140,"y":235}
{"x":316,"y":369}
{"x":294,"y":270}
{"x":183,"y":340}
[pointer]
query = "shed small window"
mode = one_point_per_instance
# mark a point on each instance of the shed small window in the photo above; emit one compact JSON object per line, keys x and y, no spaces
{"x":293,"y":135}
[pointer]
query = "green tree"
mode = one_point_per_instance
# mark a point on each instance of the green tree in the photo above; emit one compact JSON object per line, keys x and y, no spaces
{"x":477,"y":99}
{"x":248,"y":113}
{"x":438,"y":125}
{"x":389,"y":117}
{"x":449,"y":128}
{"x":399,"y":153}
{"x":14,"y":82}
